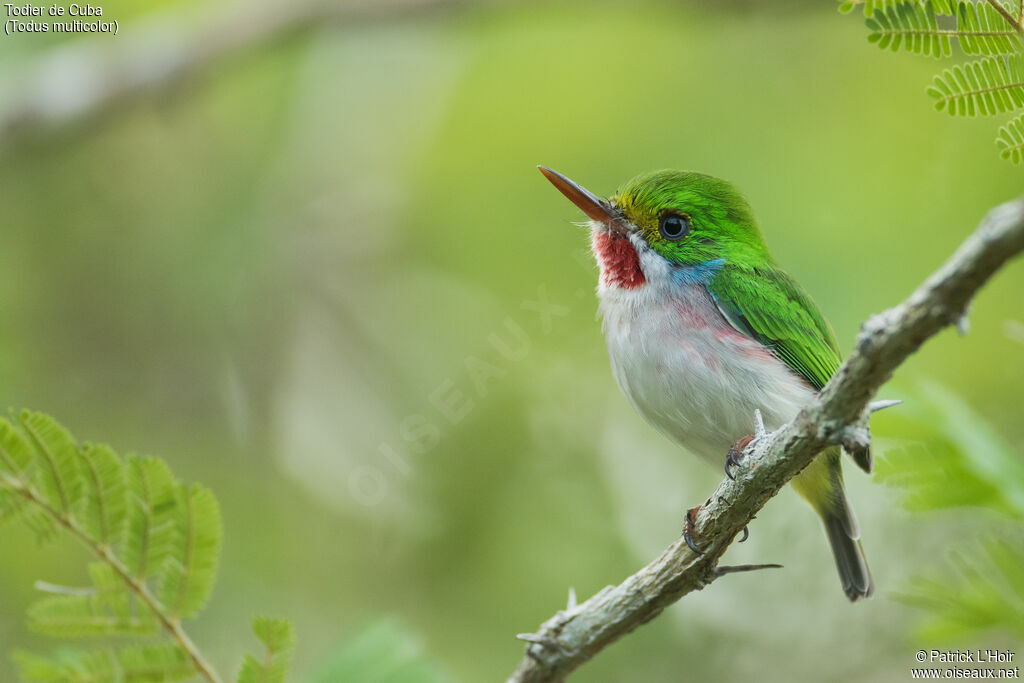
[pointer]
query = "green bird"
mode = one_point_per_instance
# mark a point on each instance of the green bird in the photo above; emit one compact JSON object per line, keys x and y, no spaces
{"x":703,"y":328}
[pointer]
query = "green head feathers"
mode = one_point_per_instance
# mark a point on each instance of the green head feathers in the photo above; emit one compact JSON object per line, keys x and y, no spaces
{"x":690,"y":218}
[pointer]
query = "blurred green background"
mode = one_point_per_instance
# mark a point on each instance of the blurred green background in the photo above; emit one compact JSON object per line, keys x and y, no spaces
{"x":277,"y":275}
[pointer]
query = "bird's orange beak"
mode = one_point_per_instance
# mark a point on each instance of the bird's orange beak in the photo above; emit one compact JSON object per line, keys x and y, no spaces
{"x":590,"y":204}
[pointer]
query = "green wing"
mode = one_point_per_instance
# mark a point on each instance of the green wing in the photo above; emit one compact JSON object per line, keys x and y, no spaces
{"x":766,"y":304}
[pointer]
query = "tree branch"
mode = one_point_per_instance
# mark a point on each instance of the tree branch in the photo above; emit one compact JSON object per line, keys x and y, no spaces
{"x":837,"y":415}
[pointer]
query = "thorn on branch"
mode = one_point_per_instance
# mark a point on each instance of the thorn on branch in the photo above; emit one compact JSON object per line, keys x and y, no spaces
{"x":963,"y":324}
{"x":738,"y":568}
{"x":761,"y":434}
{"x":544,"y":641}
{"x":572,"y":599}
{"x":759,"y":430}
{"x":882,"y":404}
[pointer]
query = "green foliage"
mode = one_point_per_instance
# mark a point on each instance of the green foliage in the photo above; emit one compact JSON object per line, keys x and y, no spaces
{"x":873,"y":6}
{"x":157,"y":544}
{"x":279,"y":641}
{"x":913,"y":26}
{"x":107,"y":608}
{"x":187,"y":578}
{"x":989,"y":86}
{"x":138,"y":664}
{"x":984,"y":593}
{"x":57,"y":474}
{"x":385,"y":652}
{"x":957,"y":445}
{"x":149,"y":532}
{"x":103,"y":509}
{"x":983,"y":30}
{"x":1011,"y":140}
{"x":965,"y":465}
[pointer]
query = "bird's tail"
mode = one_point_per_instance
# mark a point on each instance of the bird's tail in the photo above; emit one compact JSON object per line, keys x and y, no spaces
{"x":846,"y":547}
{"x":821,"y":483}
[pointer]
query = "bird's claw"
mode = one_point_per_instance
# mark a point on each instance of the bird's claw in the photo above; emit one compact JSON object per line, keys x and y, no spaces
{"x":735,"y":455}
{"x":746,"y":534}
{"x":689,"y":528}
{"x":730,"y":462}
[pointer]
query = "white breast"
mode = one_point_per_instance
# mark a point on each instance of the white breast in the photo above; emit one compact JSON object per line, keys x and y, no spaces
{"x":686,"y":370}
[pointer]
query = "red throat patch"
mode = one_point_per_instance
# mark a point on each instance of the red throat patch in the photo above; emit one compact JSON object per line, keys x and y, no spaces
{"x":620,"y":264}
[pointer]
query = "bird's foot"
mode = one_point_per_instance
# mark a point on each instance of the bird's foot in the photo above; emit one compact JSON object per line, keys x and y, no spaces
{"x":689,"y":529}
{"x":736,"y":454}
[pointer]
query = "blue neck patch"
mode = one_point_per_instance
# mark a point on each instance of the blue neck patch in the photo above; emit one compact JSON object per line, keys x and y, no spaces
{"x":699,"y":274}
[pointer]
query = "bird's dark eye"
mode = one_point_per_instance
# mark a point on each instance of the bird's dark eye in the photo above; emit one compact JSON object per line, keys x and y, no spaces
{"x":674,"y":226}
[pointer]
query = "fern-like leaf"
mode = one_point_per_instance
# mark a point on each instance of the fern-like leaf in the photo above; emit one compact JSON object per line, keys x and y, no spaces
{"x":157,"y":546}
{"x":873,"y":6}
{"x":40,"y":522}
{"x":73,"y":616}
{"x":987,"y":86}
{"x":150,"y":535}
{"x":139,"y":664}
{"x":914,"y":27}
{"x":960,"y":461}
{"x":186,"y":581}
{"x":9,"y":505}
{"x":58,"y":476}
{"x":1011,"y":140}
{"x":18,"y":461}
{"x":15,"y":451}
{"x":105,"y":608}
{"x":953,"y":458}
{"x":982,"y":30}
{"x":278,"y":641}
{"x":103,"y":508}
{"x":986,"y":594}
{"x":105,"y":580}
